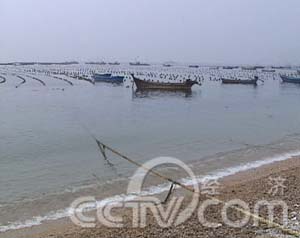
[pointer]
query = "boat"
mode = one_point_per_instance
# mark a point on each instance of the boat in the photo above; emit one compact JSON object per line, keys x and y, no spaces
{"x":151,"y":85}
{"x":108,"y":78}
{"x":289,"y":79}
{"x":167,"y":65}
{"x":114,"y":63}
{"x":249,"y":68}
{"x":268,"y":71}
{"x":96,"y":63}
{"x":230,"y":67}
{"x":138,"y":64}
{"x":281,"y":67}
{"x":240,"y":81}
{"x":194,"y":66}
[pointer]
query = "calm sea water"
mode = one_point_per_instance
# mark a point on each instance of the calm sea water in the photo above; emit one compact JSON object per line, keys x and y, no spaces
{"x":47,"y":151}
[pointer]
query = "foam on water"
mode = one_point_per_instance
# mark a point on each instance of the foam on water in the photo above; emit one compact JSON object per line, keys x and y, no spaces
{"x":64,"y":213}
{"x":244,"y":167}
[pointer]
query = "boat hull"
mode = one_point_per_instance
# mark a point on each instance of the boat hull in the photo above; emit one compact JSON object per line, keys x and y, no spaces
{"x":107,"y":78}
{"x":139,"y":64}
{"x":287,"y":79}
{"x":148,"y":85}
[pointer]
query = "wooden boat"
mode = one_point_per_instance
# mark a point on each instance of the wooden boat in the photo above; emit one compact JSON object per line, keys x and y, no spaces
{"x":114,"y":63}
{"x":96,"y":63}
{"x":288,"y":79}
{"x":138,"y":64}
{"x":230,"y":67}
{"x":268,"y":71}
{"x":249,"y":68}
{"x":194,"y":66}
{"x":150,"y":85}
{"x":108,"y":78}
{"x":240,"y":81}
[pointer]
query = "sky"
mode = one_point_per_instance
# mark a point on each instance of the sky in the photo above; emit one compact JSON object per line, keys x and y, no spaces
{"x":200,"y":31}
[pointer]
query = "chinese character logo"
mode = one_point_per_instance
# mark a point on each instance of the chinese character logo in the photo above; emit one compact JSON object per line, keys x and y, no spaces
{"x":277,"y":185}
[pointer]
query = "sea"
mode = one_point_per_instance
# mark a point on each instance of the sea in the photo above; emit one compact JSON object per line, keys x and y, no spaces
{"x":49,"y":156}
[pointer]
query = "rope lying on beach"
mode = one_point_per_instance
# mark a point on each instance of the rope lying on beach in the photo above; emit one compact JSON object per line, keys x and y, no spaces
{"x":270,"y":223}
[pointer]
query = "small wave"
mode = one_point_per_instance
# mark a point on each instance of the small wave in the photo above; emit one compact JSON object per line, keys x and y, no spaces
{"x":244,"y":167}
{"x":64,"y":213}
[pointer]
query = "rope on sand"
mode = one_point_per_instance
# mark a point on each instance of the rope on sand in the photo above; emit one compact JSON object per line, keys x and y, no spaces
{"x":270,"y":223}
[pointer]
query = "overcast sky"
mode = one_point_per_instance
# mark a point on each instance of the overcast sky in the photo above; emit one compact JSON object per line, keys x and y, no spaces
{"x":203,"y":31}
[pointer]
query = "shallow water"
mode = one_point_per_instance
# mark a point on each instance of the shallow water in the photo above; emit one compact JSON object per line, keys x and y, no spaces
{"x":47,"y":150}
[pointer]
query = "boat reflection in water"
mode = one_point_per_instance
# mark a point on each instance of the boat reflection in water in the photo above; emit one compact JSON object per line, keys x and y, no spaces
{"x":162,"y":94}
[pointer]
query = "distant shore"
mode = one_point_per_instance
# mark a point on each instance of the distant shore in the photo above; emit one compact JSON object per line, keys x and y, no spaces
{"x":249,"y":186}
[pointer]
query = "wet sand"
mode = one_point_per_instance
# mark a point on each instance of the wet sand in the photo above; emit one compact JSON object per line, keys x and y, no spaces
{"x":250,"y":186}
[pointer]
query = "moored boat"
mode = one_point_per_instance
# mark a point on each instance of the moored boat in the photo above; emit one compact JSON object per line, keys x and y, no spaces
{"x":289,"y":79}
{"x":194,"y":66}
{"x":96,"y":63}
{"x":138,"y":64}
{"x":240,"y":81}
{"x":108,"y":78}
{"x":230,"y":67}
{"x":248,"y":68}
{"x":114,"y":63}
{"x":151,"y":85}
{"x":268,"y":71}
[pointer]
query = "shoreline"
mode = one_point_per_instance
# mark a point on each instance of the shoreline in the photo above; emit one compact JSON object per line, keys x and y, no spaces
{"x":63,"y":227}
{"x":204,"y":170}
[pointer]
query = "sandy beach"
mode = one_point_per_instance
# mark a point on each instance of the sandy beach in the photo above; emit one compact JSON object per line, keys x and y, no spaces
{"x":250,"y":186}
